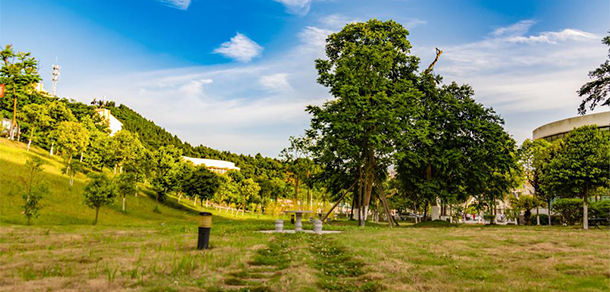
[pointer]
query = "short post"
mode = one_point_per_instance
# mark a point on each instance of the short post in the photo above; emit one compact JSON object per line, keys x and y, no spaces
{"x":205,"y":224}
{"x":279,"y":225}
{"x":298,"y":225}
{"x":317,"y":226}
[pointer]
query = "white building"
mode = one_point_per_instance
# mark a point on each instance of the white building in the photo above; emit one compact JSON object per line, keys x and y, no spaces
{"x":217,"y":166}
{"x":114,"y":124}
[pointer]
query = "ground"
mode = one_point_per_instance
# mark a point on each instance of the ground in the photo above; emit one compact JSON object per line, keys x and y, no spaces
{"x":151,"y":247}
{"x":162,"y":257}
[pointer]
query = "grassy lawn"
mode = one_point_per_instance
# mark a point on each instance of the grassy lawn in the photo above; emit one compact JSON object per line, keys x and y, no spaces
{"x":158,"y":257}
{"x":144,"y":250}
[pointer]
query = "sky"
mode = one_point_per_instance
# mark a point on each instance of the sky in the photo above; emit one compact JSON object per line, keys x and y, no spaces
{"x":237,"y":75}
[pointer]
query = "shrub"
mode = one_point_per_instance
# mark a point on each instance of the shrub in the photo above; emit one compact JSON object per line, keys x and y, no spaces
{"x":570,"y":210}
{"x":544,"y":220}
{"x":600,"y":209}
{"x":157,"y":210}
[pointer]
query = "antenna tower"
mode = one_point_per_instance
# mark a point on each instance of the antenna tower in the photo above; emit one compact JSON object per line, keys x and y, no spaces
{"x":55,"y":76}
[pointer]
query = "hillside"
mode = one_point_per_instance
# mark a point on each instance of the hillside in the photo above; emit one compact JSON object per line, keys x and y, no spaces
{"x":65,"y":205}
{"x":154,"y":136}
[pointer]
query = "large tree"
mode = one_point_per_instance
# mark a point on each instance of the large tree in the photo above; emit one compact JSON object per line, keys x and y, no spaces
{"x":370,"y":73}
{"x":581,"y":166}
{"x":596,"y":90}
{"x":459,"y":149}
{"x":18,"y":73}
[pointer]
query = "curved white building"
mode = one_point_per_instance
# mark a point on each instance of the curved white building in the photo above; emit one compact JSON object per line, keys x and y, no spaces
{"x":559,"y":129}
{"x":218,"y":166}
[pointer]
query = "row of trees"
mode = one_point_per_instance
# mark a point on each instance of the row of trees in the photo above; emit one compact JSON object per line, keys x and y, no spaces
{"x":576,"y":167}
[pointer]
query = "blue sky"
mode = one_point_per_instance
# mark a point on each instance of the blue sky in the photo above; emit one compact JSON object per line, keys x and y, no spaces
{"x":237,"y":75}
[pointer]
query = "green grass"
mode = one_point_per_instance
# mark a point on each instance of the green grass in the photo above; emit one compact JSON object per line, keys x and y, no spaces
{"x":142,"y":250}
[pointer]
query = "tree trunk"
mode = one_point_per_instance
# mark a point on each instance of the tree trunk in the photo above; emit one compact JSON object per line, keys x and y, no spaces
{"x":296,"y":190}
{"x":97,"y":211}
{"x":351,"y":214}
{"x":179,"y":197}
{"x":425,"y":218}
{"x":81,"y":156}
{"x":14,"y":122}
{"x":368,"y":191}
{"x":123,"y":204}
{"x":51,"y":151}
{"x":585,"y":209}
{"x":29,"y":143}
{"x":537,"y":215}
{"x":548,"y":206}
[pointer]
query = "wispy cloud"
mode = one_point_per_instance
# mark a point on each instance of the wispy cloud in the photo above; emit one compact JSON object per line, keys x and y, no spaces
{"x":194,"y":87}
{"x":275,"y":82}
{"x":240,"y":48}
{"x":336,"y":21}
{"x":298,"y":7}
{"x":178,"y":4}
{"x":552,"y":37}
{"x":414,"y":22}
{"x":518,"y":28}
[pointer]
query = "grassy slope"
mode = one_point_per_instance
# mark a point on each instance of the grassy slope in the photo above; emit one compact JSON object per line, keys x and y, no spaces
{"x":65,"y":205}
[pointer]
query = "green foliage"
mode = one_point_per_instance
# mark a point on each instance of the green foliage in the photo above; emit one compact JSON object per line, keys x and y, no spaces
{"x":370,"y":73}
{"x":35,"y":189}
{"x":126,"y":184}
{"x":19,"y":72}
{"x":601,"y":209}
{"x":167,"y":163}
{"x":526,"y":203}
{"x":125,"y":148}
{"x":72,"y":138}
{"x":71,"y":168}
{"x":100,"y":191}
{"x":581,"y":165}
{"x":596,"y":91}
{"x":570,"y":210}
{"x":37,"y":116}
{"x":201,"y":183}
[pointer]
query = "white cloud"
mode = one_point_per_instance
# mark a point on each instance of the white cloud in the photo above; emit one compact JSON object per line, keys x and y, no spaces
{"x":518,"y":28}
{"x":530,"y":79}
{"x":553,"y":37}
{"x":336,"y":21}
{"x":414,"y":22}
{"x":299,"y":7}
{"x":194,"y":87}
{"x":240,"y":48}
{"x":178,"y":4}
{"x":275,"y":82}
{"x":314,"y":38}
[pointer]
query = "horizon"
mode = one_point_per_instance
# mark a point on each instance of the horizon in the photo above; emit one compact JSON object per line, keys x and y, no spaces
{"x":525,"y":60}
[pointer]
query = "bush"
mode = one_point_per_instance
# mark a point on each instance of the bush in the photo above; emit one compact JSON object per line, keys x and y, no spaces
{"x":544,"y":220}
{"x":157,"y":210}
{"x":488,"y":217}
{"x":600,"y":209}
{"x":570,"y":210}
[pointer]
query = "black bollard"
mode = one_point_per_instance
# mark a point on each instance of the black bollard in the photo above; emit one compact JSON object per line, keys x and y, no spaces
{"x":205,"y":224}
